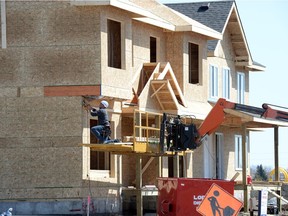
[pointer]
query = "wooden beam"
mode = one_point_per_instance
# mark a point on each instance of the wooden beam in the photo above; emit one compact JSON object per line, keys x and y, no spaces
{"x":241,"y":58}
{"x":51,"y":91}
{"x":158,"y":90}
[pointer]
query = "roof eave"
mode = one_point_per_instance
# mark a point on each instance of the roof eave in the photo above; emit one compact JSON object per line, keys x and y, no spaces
{"x":128,"y":6}
{"x":256,"y":68}
{"x":212,"y":35}
{"x":88,"y":3}
{"x":155,"y":22}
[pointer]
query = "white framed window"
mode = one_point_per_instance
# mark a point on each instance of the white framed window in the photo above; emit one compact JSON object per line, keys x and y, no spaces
{"x":213,"y":91}
{"x":240,"y":87}
{"x":226,"y":83}
{"x":238,"y":151}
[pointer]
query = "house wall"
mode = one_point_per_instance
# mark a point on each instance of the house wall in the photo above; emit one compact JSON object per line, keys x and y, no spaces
{"x":114,"y":80}
{"x":49,"y":43}
{"x":141,"y":43}
{"x":196,"y":92}
{"x":141,"y":54}
{"x":177,"y":55}
{"x":224,"y":59}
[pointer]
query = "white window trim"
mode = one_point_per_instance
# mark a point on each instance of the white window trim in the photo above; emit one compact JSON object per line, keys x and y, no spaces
{"x":240,"y":87}
{"x":226,"y":86}
{"x":213,"y":84}
{"x":94,"y":174}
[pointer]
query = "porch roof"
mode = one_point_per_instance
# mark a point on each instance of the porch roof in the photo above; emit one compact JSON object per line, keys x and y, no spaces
{"x":251,"y":120}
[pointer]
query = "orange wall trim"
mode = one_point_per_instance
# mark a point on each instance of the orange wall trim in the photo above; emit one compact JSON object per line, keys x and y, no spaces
{"x":50,"y":91}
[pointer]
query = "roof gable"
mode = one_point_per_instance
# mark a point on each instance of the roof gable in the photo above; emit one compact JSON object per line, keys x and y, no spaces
{"x":221,"y":16}
{"x":157,"y":80}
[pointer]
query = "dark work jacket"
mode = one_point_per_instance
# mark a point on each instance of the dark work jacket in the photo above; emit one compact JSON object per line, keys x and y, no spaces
{"x":102,"y":116}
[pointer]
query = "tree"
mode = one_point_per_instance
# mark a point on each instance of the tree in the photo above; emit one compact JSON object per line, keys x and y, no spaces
{"x":261,"y":174}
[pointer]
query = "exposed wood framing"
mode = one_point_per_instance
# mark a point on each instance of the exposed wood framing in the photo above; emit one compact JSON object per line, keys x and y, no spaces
{"x":72,"y":90}
{"x":164,"y":94}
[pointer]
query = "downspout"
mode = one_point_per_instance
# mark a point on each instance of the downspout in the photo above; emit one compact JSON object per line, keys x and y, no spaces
{"x":3,"y":24}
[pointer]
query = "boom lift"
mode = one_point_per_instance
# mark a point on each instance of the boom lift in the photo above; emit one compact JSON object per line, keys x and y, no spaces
{"x":176,"y":135}
{"x":173,"y":133}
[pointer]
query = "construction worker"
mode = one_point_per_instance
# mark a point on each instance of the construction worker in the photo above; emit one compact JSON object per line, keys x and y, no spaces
{"x":100,"y":131}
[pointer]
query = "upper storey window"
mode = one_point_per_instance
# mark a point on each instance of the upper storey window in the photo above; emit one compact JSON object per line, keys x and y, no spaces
{"x":193,"y":50}
{"x":153,"y":49}
{"x":213,"y":82}
{"x":114,"y":43}
{"x":240,"y":87}
{"x":226,"y":83}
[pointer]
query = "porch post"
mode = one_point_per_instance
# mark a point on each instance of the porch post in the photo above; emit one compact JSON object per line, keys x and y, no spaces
{"x":244,"y":167}
{"x":276,"y":152}
{"x":139,"y":197}
{"x":176,"y":165}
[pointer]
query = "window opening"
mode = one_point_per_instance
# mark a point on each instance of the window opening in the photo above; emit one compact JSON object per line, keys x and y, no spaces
{"x":98,"y":160}
{"x":193,"y":63}
{"x":114,"y":43}
{"x":171,"y":166}
{"x":153,"y":49}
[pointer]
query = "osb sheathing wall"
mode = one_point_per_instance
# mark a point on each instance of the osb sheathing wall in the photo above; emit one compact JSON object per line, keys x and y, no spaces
{"x":48,"y":43}
{"x":141,"y":43}
{"x":51,"y":43}
{"x":116,"y":82}
{"x":177,"y":55}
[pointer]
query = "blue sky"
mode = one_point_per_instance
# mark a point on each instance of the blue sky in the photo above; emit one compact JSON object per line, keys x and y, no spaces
{"x":265,"y":24}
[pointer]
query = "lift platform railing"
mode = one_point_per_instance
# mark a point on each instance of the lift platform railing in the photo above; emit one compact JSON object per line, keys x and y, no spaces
{"x":146,"y":131}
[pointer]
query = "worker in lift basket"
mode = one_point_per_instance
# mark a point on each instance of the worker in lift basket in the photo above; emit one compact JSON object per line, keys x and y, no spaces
{"x":103,"y":123}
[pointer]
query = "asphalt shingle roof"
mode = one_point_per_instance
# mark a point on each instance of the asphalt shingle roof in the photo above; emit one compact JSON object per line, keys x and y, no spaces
{"x":213,"y":16}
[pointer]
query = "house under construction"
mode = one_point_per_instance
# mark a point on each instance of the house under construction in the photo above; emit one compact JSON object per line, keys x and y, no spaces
{"x":145,"y":59}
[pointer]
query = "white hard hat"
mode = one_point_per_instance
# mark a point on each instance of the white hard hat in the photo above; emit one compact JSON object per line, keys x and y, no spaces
{"x":104,"y":103}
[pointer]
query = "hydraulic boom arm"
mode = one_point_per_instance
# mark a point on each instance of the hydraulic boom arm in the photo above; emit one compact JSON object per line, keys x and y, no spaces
{"x":182,"y":136}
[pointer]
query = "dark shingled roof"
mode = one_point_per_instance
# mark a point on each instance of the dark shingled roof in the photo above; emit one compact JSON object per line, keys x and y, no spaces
{"x":213,"y":16}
